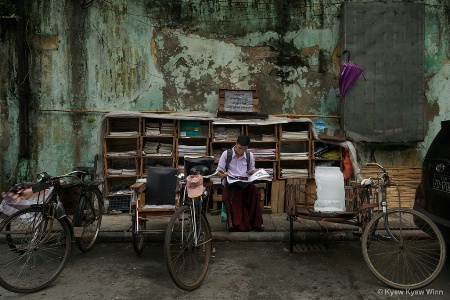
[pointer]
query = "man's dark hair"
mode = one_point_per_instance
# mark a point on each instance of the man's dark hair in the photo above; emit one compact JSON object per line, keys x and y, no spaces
{"x":243,"y":140}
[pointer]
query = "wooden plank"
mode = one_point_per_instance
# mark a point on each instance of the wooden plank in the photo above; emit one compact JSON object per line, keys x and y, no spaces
{"x":241,"y":116}
{"x":277,"y":196}
{"x":311,"y":192}
{"x":407,"y":177}
{"x":280,"y":204}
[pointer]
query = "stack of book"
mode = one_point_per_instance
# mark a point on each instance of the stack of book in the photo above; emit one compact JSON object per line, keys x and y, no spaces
{"x":184,"y":150}
{"x":294,"y":173}
{"x":263,"y":153}
{"x":166,"y":129}
{"x":295,"y":135}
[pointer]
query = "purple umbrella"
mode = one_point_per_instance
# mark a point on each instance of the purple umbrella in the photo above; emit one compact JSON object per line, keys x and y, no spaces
{"x":350,"y":71}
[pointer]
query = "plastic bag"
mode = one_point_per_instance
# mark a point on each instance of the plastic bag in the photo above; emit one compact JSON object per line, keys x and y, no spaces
{"x":21,"y":196}
{"x":348,"y":168}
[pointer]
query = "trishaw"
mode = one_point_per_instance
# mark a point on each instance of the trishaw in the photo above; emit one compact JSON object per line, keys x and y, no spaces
{"x":403,"y":248}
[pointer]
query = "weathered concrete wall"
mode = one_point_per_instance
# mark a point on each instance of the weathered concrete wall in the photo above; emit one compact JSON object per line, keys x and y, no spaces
{"x":176,"y":55}
{"x":9,"y":127}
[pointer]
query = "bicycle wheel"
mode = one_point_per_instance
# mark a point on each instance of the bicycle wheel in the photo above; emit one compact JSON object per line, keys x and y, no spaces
{"x":187,"y":259}
{"x":87,"y":219}
{"x":34,"y":248}
{"x":408,"y":255}
{"x":138,"y":239}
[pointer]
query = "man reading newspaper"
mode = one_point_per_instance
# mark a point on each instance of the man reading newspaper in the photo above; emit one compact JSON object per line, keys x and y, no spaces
{"x":241,"y":197}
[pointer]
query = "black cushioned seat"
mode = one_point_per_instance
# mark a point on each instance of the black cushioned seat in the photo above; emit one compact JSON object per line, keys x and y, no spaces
{"x":160,"y":186}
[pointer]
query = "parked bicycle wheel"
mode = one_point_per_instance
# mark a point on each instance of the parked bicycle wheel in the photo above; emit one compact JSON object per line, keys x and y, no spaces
{"x":87,"y":219}
{"x":187,"y":250}
{"x":138,"y":239}
{"x":34,"y":248}
{"x":405,"y":249}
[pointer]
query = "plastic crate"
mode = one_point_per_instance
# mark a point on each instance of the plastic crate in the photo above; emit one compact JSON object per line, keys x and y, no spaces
{"x":119,"y":203}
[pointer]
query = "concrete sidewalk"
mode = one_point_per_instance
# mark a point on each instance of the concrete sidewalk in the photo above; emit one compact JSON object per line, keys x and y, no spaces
{"x":116,"y":227}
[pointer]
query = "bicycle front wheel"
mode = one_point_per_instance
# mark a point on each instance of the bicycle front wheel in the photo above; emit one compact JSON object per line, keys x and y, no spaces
{"x":404,"y":249}
{"x":187,"y":248}
{"x":87,"y":219}
{"x":138,"y":239}
{"x":34,"y":248}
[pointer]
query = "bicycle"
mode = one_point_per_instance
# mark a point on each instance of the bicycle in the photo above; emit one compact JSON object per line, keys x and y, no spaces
{"x":188,"y":240}
{"x":35,"y":242}
{"x":403,"y":248}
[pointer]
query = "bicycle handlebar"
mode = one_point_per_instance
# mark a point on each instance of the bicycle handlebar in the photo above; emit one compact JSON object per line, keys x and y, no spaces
{"x":385,"y":176}
{"x":377,"y":165}
{"x":44,"y":181}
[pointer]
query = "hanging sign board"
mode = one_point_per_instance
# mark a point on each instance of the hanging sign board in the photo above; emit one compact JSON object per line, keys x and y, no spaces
{"x":238,"y":101}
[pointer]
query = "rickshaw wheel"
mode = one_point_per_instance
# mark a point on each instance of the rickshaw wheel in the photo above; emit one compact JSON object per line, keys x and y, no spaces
{"x":138,"y":238}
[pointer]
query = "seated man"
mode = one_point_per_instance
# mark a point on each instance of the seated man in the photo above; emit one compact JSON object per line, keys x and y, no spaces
{"x":241,"y":201}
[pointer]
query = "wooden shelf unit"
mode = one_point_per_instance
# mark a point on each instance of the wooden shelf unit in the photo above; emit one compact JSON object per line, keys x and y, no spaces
{"x":291,"y":141}
{"x":158,"y":144}
{"x":192,"y":140}
{"x":294,"y":151}
{"x":327,"y":155}
{"x":264,"y":145}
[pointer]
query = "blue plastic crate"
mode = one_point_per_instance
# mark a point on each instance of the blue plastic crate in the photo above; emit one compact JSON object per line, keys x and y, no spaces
{"x":121,"y":203}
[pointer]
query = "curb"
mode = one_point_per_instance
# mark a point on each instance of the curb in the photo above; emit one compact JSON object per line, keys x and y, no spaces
{"x":223,"y":236}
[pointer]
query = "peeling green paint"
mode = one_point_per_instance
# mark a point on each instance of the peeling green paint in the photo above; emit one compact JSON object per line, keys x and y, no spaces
{"x":176,"y":55}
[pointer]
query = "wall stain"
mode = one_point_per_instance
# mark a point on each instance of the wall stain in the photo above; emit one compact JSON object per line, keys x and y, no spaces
{"x":176,"y":55}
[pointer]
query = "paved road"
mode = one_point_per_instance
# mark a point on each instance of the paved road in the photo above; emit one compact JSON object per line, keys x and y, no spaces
{"x":239,"y":270}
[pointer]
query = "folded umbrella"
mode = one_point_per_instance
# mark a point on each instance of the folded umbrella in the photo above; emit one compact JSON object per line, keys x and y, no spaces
{"x":350,"y":72}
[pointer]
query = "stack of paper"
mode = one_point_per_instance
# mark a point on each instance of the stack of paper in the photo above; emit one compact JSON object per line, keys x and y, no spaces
{"x":122,"y":153}
{"x":295,"y":135}
{"x":114,"y":172}
{"x":123,"y":133}
{"x":167,"y":128}
{"x":263,"y":153}
{"x":152,"y":128}
{"x":165,"y":149}
{"x":184,"y":150}
{"x":150,"y":148}
{"x":293,"y":155}
{"x":128,"y":172}
{"x":294,"y":173}
{"x":222,"y":133}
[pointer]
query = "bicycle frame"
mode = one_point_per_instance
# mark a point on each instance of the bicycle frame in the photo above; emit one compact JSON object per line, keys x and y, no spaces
{"x":55,"y":206}
{"x":196,"y":205}
{"x":382,"y":196}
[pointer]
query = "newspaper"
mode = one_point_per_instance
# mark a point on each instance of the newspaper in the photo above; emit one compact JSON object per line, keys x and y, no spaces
{"x":260,"y":174}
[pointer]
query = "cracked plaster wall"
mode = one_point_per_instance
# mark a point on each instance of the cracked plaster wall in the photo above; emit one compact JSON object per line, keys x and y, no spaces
{"x":176,"y":55}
